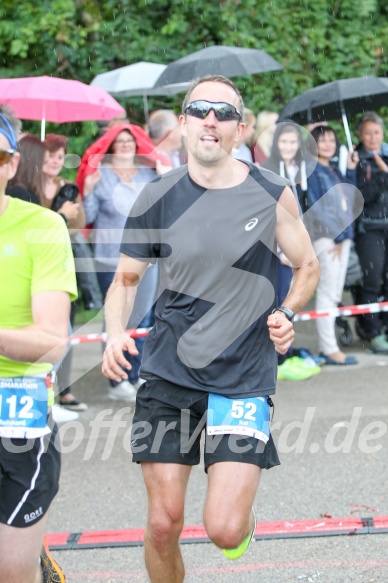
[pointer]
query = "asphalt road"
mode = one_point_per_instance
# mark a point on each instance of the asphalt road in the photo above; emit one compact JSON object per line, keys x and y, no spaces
{"x":331,"y":433}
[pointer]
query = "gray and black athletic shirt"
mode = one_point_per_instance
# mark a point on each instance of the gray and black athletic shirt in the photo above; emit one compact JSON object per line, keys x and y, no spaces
{"x":216,"y":252}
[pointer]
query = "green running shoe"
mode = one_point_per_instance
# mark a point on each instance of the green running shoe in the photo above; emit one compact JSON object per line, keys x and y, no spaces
{"x":295,"y":369}
{"x":240,"y":550}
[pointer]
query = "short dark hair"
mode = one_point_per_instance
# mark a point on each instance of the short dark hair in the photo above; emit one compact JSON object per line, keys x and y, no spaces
{"x":317,"y":133}
{"x":213,"y":79}
{"x":111,"y":146}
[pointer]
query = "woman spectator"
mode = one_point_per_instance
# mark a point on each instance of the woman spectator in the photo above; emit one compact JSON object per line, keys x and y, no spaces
{"x":331,"y":231}
{"x":111,"y":178}
{"x":60,"y":194}
{"x":63,"y":196}
{"x":288,"y":159}
{"x":27,"y":184}
{"x":372,"y":229}
{"x":262,"y":143}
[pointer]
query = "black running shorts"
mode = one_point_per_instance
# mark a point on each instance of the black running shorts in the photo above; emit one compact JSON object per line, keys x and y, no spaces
{"x":168,"y":424}
{"x":29,"y":477}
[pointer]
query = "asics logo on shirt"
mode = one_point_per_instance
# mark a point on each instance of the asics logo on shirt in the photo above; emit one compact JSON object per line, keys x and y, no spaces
{"x":251,"y":225}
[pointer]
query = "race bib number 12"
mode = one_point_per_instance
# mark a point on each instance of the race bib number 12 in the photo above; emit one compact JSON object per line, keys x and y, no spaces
{"x":23,"y":406}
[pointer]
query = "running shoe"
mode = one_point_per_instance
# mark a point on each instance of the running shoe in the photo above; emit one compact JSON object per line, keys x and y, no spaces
{"x":61,"y":415}
{"x":233,"y":554}
{"x":124,"y":391}
{"x":73,"y":405}
{"x":296,"y":369}
{"x":310,"y":357}
{"x":51,"y":571}
{"x":379,"y":344}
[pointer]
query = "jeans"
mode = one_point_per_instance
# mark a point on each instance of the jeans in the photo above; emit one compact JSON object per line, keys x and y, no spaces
{"x":142,"y":315}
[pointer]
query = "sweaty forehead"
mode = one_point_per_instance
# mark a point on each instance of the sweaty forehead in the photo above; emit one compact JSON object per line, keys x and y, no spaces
{"x":214,"y":91}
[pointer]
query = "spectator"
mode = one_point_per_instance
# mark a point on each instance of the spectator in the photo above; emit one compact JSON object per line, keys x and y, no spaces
{"x":163,"y":129}
{"x":265,"y":128}
{"x":331,"y":232}
{"x":288,"y":160}
{"x":372,"y":229}
{"x":111,"y":177}
{"x":241,"y":151}
{"x":63,"y":196}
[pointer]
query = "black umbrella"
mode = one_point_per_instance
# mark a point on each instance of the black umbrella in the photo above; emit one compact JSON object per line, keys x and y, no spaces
{"x":337,"y":99}
{"x":218,"y":60}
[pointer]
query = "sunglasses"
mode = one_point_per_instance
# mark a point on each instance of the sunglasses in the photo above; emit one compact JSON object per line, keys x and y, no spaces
{"x":222,"y":111}
{"x":6,"y":156}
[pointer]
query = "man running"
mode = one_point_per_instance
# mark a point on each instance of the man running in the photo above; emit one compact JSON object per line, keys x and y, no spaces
{"x":210,"y":359}
{"x":36,"y":285}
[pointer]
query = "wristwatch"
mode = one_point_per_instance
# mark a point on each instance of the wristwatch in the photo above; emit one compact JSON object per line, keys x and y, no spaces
{"x":289,"y":313}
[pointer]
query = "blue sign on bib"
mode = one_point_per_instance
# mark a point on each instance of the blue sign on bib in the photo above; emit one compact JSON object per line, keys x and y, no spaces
{"x":23,"y":407}
{"x":247,"y":417}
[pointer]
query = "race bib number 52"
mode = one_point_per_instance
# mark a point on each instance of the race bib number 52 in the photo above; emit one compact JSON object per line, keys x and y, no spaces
{"x":245,"y":417}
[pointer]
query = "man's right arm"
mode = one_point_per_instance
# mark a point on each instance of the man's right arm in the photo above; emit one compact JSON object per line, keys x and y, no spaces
{"x":118,"y":308}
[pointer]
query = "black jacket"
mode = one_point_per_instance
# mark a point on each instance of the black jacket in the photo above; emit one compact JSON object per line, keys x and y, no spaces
{"x":373,"y":184}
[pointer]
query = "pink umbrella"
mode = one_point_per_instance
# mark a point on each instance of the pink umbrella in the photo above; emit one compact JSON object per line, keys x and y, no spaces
{"x":57,"y":100}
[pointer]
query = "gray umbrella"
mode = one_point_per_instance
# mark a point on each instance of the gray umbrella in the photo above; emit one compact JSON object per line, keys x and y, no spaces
{"x":336,"y":99}
{"x":137,"y":79}
{"x":218,"y":60}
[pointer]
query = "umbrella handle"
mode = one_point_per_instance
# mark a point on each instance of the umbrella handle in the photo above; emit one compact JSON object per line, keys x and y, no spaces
{"x":346,"y":128}
{"x":42,"y":129}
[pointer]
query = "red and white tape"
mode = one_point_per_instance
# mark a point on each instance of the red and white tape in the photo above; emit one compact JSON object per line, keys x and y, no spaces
{"x":301,"y":316}
{"x":85,"y":338}
{"x":344,"y":311}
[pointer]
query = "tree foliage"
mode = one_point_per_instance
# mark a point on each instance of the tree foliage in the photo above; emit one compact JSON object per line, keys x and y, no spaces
{"x":315,"y":41}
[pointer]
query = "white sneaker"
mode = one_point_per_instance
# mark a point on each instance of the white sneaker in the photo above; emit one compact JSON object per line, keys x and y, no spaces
{"x":138,"y":383}
{"x":124,"y":391}
{"x":61,"y":415}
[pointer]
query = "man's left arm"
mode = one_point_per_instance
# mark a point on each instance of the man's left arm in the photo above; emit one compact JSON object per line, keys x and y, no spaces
{"x":295,"y":243}
{"x":46,"y":338}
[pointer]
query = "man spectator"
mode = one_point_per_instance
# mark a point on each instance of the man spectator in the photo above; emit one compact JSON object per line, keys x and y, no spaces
{"x":241,"y":151}
{"x":163,"y":129}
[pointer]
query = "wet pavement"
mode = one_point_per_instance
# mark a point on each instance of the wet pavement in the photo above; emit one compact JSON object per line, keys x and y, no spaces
{"x":331,"y":433}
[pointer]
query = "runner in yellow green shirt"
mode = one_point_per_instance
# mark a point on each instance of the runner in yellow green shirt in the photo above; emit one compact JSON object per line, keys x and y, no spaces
{"x":36,"y":286}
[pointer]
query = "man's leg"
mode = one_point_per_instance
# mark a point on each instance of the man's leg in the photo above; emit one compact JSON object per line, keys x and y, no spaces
{"x":232,"y":487}
{"x":19,"y":552}
{"x":166,"y":487}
